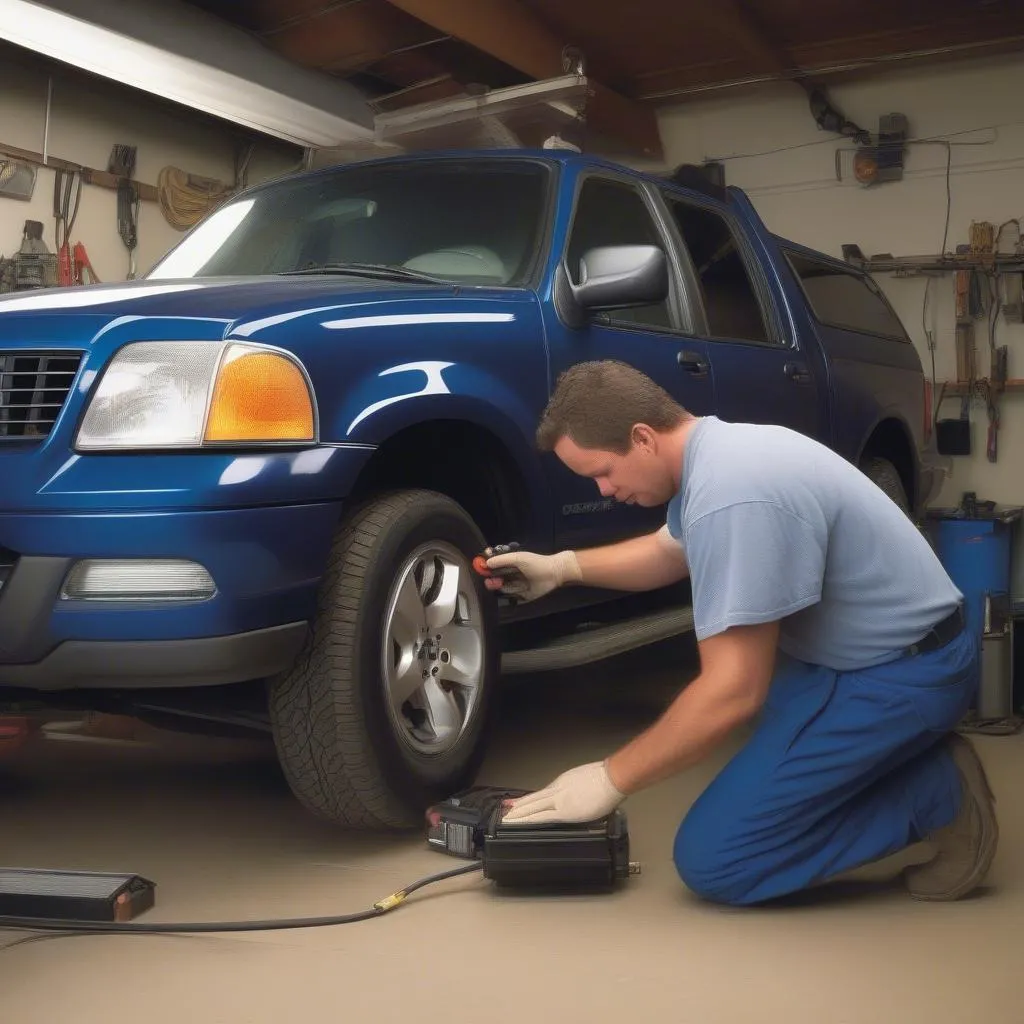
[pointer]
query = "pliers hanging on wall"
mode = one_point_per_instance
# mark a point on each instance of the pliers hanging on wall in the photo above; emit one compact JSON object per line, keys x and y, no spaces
{"x":65,"y":183}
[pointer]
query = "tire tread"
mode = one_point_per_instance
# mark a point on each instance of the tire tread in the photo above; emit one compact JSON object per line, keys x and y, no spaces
{"x":317,"y":708}
{"x":886,"y":477}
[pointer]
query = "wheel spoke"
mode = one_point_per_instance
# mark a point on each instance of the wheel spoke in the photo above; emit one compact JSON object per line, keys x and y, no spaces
{"x":435,"y":625}
{"x":465,"y":649}
{"x":409,"y":616}
{"x":441,"y":611}
{"x":405,"y":679}
{"x":443,"y":712}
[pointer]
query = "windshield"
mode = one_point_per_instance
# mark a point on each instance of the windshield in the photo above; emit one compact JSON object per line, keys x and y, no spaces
{"x":472,"y":222}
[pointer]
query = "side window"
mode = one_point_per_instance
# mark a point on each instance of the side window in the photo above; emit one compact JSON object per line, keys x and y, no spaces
{"x":613,"y":213}
{"x":730,"y":301}
{"x":843,"y":298}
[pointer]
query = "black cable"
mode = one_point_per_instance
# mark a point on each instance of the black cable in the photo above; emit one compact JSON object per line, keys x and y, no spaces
{"x":65,"y":184}
{"x":942,"y":251}
{"x":380,"y":908}
{"x":949,"y":195}
{"x":924,"y":330}
{"x":917,"y":140}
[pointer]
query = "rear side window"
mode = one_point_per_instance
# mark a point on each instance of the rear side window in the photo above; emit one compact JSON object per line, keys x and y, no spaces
{"x":841,"y":298}
{"x":731,"y":304}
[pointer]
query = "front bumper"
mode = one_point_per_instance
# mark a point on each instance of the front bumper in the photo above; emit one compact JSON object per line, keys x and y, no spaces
{"x":266,"y":564}
{"x":151,"y":664}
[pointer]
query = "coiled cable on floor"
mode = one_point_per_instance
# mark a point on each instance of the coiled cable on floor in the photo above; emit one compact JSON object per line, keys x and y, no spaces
{"x":992,"y":726}
{"x":379,"y":908}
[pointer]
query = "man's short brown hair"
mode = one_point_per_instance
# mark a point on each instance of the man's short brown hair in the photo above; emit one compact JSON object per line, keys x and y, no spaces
{"x":597,"y":404}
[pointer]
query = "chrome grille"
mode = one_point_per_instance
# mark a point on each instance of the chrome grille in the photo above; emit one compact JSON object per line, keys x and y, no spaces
{"x":33,"y":389}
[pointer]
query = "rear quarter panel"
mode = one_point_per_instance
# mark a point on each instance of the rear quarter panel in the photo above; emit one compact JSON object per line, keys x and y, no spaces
{"x":873,"y":379}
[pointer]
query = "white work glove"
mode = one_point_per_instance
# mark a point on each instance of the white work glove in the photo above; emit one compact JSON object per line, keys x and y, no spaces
{"x":585,"y":793}
{"x":527,"y":576}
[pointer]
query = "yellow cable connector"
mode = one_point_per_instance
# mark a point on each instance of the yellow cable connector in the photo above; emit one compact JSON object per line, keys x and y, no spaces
{"x":392,"y":901}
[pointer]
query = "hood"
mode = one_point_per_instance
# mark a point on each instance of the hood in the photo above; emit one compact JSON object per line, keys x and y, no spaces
{"x":225,"y":300}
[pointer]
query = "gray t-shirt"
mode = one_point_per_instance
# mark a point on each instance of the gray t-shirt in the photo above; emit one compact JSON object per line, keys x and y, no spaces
{"x":778,"y":526}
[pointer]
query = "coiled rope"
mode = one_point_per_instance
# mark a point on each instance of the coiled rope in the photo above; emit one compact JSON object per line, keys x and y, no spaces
{"x":186,"y":198}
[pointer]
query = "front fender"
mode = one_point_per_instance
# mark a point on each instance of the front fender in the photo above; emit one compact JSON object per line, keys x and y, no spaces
{"x":380,"y":405}
{"x":411,"y":394}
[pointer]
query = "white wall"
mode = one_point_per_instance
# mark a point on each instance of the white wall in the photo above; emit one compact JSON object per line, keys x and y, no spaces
{"x":797,"y":194}
{"x":88,"y":116}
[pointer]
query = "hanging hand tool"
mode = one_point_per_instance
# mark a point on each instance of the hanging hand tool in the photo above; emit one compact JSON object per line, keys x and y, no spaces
{"x":64,"y":184}
{"x":122,"y":163}
{"x":996,"y":385}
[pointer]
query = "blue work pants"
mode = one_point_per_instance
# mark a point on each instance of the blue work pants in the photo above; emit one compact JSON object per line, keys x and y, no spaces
{"x":843,"y":769}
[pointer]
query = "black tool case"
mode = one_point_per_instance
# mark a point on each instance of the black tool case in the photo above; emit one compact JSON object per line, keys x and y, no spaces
{"x":574,"y":856}
{"x":73,"y":895}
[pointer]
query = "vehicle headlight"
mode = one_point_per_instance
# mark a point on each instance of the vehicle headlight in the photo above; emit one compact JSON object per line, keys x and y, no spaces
{"x":196,"y":394}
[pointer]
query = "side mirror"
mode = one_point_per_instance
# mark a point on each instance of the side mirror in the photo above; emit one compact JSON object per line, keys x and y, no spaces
{"x":621,"y":276}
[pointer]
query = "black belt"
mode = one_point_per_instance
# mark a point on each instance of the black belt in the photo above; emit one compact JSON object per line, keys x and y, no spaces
{"x":941,"y":634}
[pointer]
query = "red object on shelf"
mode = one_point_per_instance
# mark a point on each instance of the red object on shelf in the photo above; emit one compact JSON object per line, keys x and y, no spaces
{"x":14,"y":731}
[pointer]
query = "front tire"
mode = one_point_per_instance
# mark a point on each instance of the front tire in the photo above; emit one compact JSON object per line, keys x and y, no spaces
{"x":388,"y":707}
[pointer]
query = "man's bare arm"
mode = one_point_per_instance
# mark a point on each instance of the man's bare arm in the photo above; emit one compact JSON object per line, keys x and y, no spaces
{"x":641,"y":563}
{"x":736,"y":671}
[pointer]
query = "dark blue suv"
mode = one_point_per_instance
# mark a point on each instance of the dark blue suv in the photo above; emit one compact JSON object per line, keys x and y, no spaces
{"x":248,"y":488}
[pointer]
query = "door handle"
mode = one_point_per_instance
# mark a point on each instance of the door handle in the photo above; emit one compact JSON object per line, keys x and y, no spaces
{"x":693,"y":362}
{"x":797,"y":372}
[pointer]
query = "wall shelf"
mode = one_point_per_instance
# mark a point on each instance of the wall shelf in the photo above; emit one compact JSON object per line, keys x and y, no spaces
{"x":948,"y":263}
{"x":958,"y":387}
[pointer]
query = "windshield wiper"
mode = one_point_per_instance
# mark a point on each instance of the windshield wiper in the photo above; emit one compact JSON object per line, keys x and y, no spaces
{"x":384,"y":270}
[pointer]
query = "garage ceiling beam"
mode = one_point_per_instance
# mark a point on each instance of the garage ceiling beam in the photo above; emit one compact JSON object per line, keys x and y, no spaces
{"x":729,"y":19}
{"x":348,"y":37}
{"x":509,"y":32}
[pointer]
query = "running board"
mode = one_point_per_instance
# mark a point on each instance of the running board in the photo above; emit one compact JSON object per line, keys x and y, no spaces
{"x":588,"y":646}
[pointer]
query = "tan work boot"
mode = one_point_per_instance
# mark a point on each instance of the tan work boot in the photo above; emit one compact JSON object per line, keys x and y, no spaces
{"x":967,"y":844}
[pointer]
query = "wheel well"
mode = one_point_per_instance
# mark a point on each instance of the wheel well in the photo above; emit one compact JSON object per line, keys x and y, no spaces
{"x":467,"y":463}
{"x":889,"y":441}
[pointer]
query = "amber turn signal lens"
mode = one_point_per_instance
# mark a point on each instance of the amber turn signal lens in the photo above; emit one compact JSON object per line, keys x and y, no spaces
{"x":260,"y":396}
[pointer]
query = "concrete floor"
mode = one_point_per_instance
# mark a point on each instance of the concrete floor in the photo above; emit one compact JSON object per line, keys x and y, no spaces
{"x":213,"y":824}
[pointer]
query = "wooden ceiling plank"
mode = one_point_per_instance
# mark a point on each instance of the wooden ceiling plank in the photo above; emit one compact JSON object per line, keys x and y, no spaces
{"x":507,"y":30}
{"x":273,"y":15}
{"x":408,"y":68}
{"x":444,"y":87}
{"x":350,"y":35}
{"x":729,"y":19}
{"x":903,"y":45}
{"x":502,"y":28}
{"x":954,"y":31}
